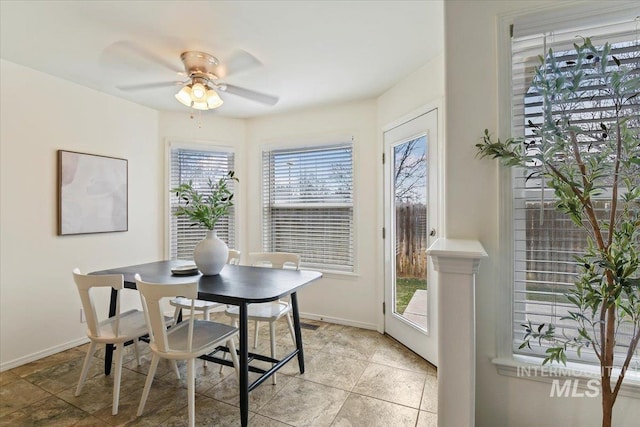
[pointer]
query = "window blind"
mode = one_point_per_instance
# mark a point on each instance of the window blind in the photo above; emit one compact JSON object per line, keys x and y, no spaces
{"x":308,"y":204}
{"x":197,"y":166}
{"x":546,"y":242}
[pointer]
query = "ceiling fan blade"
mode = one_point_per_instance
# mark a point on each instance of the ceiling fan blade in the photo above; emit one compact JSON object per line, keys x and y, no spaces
{"x":252,"y":95}
{"x":239,"y":61}
{"x":143,"y":86}
{"x":124,"y":47}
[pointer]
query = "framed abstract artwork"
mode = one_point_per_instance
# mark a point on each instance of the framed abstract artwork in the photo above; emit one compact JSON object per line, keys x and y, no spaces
{"x":92,"y":193}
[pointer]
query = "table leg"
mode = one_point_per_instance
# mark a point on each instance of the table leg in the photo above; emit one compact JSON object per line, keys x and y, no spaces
{"x":243,"y":359}
{"x":297,"y":330}
{"x":108,"y":355}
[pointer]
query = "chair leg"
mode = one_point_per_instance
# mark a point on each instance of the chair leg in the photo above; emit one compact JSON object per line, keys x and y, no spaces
{"x":255,"y":338}
{"x":206,"y":317}
{"x":175,"y":368}
{"x":137,"y":350}
{"x":176,"y":313}
{"x":117,"y":377}
{"x":272,"y":333}
{"x":191,"y":391}
{"x":235,"y":325}
{"x":234,"y":356}
{"x":85,"y":367}
{"x":147,"y":385}
{"x":290,"y":322}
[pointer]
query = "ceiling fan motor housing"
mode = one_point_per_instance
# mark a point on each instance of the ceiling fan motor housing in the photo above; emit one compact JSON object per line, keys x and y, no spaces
{"x":199,"y":64}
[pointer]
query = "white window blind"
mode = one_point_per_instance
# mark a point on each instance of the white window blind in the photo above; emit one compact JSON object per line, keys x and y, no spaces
{"x":308,"y":204}
{"x":197,"y":165}
{"x":546,"y":242}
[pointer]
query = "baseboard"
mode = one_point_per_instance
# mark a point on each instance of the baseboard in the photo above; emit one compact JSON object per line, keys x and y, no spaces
{"x":339,"y":321}
{"x":5,"y":366}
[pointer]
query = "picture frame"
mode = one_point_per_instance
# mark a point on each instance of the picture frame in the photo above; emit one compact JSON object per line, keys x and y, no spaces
{"x":92,"y":193}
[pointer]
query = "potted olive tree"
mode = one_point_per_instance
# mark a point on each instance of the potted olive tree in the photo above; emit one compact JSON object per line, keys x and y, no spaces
{"x":204,"y":209}
{"x":587,"y":150}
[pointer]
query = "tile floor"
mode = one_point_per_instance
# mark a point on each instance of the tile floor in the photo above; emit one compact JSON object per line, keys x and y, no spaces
{"x":354,"y":377}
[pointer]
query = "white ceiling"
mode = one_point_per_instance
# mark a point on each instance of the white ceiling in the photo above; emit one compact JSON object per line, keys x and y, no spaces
{"x":311,"y":52}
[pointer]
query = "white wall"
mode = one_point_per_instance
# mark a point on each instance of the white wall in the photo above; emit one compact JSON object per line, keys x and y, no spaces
{"x":338,"y":298}
{"x":40,"y":307}
{"x":423,"y":86}
{"x":472,"y":212}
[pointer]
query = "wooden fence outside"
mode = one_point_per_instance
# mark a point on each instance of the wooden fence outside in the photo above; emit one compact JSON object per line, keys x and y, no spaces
{"x":411,"y":240}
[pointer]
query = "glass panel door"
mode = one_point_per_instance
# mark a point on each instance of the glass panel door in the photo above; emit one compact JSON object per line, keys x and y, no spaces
{"x":411,"y":222}
{"x":410,"y":226}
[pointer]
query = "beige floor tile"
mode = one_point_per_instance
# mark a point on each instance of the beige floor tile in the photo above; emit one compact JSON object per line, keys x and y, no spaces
{"x":164,"y":400}
{"x":205,"y":377}
{"x":333,"y":370}
{"x":19,"y":394}
{"x":209,"y":412}
{"x":391,"y":384}
{"x":303,"y":403}
{"x":97,"y":392}
{"x":355,"y":343}
{"x":48,"y":362}
{"x":282,"y":349}
{"x":363,"y":411}
{"x":164,"y":366}
{"x":228,"y":391}
{"x":91,"y":421}
{"x":427,"y":419}
{"x":261,"y":421}
{"x":50,"y":412}
{"x":430,"y":395}
{"x":59,"y":377}
{"x":7,"y":377}
{"x":316,"y":339}
{"x":395,"y":354}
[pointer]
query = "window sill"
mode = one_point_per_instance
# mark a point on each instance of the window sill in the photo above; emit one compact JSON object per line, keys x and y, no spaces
{"x":530,"y":368}
{"x":334,"y":273}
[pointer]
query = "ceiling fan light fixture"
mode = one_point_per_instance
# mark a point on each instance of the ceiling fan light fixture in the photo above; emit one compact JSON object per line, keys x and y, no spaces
{"x":213,"y":99}
{"x":199,"y":106}
{"x":184,"y":96}
{"x":198,"y":92}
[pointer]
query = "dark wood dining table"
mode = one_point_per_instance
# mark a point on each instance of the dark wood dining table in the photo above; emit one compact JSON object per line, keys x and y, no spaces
{"x":235,"y":285}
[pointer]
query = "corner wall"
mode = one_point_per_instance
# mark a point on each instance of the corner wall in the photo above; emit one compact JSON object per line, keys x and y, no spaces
{"x":346,"y":299}
{"x":40,"y":114}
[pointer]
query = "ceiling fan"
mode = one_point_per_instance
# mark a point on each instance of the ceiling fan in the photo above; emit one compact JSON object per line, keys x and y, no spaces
{"x":203,"y":72}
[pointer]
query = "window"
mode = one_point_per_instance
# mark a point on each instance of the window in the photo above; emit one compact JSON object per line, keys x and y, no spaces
{"x":545,"y":242}
{"x":197,"y":165}
{"x":308,"y":204}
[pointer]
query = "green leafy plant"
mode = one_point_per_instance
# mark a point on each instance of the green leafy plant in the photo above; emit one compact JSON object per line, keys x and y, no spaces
{"x":587,"y":150}
{"x":205,"y":209}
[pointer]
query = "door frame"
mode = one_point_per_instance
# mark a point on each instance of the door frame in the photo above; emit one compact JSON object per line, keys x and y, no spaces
{"x":438,"y":188}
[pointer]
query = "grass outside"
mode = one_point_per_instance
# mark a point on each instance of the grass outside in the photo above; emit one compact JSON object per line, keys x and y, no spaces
{"x":405,"y":288}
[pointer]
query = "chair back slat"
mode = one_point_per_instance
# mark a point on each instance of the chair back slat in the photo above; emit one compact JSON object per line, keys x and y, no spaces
{"x":152,"y":294}
{"x":274,"y":259}
{"x":234,"y":257}
{"x":85,"y":283}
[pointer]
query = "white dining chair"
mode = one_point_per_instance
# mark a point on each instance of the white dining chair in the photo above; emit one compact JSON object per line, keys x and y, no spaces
{"x":269,"y":311}
{"x":205,"y":307}
{"x":116,"y":330}
{"x":185,"y":341}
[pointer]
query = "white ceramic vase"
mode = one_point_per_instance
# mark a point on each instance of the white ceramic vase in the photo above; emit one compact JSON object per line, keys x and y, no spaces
{"x":210,"y":254}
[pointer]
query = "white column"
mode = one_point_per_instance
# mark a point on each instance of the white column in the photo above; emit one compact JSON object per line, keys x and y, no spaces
{"x":456,"y":262}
